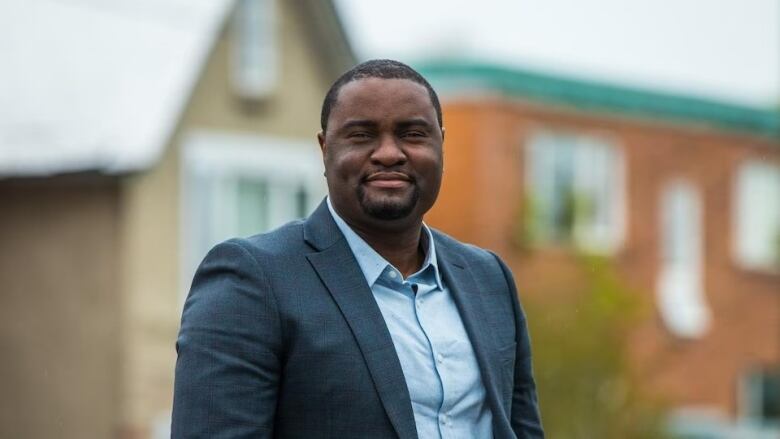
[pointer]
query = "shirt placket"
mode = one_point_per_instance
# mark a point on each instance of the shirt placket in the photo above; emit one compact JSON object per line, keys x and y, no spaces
{"x":422,"y":297}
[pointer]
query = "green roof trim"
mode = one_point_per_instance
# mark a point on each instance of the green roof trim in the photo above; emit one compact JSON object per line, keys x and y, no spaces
{"x":457,"y":76}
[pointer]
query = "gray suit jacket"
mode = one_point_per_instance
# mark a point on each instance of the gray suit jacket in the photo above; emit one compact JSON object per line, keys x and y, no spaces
{"x":281,"y":337}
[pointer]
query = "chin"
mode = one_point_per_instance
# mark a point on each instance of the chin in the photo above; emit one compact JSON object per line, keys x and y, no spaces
{"x":388,"y":212}
{"x":389,"y":208}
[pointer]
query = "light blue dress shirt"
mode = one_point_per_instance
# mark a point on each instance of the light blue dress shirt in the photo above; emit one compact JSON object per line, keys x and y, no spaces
{"x":437,"y":359}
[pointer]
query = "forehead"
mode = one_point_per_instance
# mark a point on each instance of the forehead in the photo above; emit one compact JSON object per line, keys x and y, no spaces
{"x":374,"y":98}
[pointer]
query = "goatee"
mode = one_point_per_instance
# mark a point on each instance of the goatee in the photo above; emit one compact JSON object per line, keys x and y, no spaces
{"x":388,"y":208}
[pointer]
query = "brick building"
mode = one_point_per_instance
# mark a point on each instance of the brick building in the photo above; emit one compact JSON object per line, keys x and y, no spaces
{"x":683,"y":194}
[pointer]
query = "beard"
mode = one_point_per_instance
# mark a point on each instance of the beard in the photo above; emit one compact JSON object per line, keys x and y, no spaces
{"x":388,"y":208}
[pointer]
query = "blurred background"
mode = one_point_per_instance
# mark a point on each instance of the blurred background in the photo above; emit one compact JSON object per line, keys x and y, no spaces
{"x":622,"y":156}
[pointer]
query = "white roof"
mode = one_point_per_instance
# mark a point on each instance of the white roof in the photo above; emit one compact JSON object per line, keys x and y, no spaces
{"x":97,"y":84}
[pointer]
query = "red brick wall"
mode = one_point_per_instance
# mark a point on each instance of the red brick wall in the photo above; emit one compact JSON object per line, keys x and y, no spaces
{"x":481,"y":202}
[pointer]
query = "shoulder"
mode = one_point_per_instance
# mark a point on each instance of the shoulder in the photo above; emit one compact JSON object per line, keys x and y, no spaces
{"x":284,"y":241}
{"x":477,"y":258}
{"x":264,"y":255}
{"x":245,"y":268}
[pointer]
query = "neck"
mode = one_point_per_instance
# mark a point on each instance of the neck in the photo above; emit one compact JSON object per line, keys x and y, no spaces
{"x":403,"y":248}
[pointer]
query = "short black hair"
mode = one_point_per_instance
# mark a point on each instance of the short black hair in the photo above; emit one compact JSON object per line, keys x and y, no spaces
{"x":376,"y":68}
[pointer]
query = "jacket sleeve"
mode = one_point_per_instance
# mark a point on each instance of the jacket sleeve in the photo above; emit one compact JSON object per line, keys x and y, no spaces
{"x":229,"y":344}
{"x":525,"y":418}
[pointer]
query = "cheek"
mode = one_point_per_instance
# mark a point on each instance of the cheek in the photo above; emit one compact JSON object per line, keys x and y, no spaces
{"x":345,"y":165}
{"x":431,"y":166}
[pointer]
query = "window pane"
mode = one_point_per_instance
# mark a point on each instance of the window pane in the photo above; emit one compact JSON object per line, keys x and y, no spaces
{"x":221,"y":201}
{"x":573,"y":190}
{"x":302,"y":200}
{"x":255,"y":54}
{"x":252,"y":206}
{"x":563,"y":193}
{"x":681,"y":298}
{"x":541,"y":169}
{"x":758,"y":215}
{"x":759,"y":401}
{"x":597,"y":194}
{"x":770,"y":404}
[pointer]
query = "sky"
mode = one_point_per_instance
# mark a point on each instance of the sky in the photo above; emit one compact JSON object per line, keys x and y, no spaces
{"x":727,"y":50}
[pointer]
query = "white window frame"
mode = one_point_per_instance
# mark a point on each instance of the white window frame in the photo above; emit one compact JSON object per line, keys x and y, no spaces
{"x":680,"y":285}
{"x":254,"y":55}
{"x":749,"y":400}
{"x":599,"y":237}
{"x":749,"y":220}
{"x":712,"y":422}
{"x":219,"y":154}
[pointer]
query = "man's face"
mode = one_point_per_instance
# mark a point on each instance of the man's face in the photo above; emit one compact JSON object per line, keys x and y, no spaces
{"x":382,"y":152}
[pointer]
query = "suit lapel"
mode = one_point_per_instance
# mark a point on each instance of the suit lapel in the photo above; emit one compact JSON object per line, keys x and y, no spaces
{"x":339,"y":271}
{"x":460,"y":282}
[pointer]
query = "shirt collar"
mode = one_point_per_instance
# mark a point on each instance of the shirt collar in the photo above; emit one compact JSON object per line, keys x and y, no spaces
{"x":371,"y":263}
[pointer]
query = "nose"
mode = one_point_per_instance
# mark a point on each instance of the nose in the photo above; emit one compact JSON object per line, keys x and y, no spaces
{"x":388,"y":152}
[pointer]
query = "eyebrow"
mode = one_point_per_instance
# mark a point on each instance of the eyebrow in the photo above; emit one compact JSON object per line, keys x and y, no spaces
{"x":417,"y":121}
{"x":362,"y":123}
{"x":370,"y":124}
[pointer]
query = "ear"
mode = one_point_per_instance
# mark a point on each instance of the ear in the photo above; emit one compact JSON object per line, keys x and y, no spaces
{"x":321,"y":140}
{"x":442,"y":150}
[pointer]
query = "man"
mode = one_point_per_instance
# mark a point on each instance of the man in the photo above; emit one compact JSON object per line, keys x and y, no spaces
{"x":360,"y":321}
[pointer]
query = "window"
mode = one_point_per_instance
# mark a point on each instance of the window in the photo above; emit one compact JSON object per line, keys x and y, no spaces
{"x":757,"y":216}
{"x":575,"y":191}
{"x":681,"y":299}
{"x":759,"y":398}
{"x":243,"y":185}
{"x":705,"y":422}
{"x":255,"y":68}
{"x":160,"y":427}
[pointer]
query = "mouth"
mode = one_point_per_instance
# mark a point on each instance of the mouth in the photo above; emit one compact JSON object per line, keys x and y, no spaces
{"x":388,"y":180}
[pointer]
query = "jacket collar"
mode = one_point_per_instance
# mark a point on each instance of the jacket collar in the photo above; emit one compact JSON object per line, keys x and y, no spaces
{"x":338,"y":269}
{"x":372,"y":264}
{"x":319,"y":229}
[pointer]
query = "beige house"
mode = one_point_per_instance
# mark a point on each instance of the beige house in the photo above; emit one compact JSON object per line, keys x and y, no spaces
{"x":134,"y":136}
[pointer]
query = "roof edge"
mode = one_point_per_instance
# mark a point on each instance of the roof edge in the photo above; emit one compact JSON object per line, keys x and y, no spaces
{"x":453,"y":76}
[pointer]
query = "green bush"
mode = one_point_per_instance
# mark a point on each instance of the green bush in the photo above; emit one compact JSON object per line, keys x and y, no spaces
{"x":586,"y":389}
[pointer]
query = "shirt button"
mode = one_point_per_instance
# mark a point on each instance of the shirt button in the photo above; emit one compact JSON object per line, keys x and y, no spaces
{"x":392,"y":274}
{"x":440,"y":358}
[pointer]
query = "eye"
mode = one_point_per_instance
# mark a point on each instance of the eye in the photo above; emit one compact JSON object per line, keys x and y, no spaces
{"x":414,"y":134}
{"x":359,"y":135}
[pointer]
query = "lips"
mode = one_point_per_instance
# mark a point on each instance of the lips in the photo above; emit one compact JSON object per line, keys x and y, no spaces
{"x":388,"y":180}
